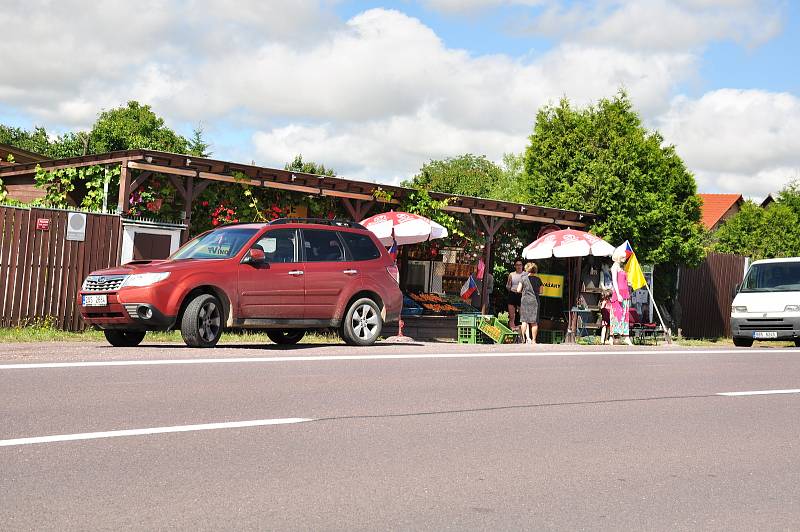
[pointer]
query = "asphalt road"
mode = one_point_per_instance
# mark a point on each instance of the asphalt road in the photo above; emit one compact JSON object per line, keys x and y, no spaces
{"x":398,"y":437}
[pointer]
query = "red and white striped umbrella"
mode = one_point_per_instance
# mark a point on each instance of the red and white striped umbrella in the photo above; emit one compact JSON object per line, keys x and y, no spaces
{"x":567,"y":243}
{"x":407,"y":228}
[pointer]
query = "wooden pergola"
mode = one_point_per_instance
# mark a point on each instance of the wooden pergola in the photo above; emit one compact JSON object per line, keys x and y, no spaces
{"x":191,"y":175}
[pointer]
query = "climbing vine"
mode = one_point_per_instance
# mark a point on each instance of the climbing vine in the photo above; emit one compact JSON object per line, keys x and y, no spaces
{"x":89,"y":180}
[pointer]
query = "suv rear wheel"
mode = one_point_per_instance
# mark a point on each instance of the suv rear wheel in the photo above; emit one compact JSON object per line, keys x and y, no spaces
{"x":742,"y":342}
{"x":124,"y":338}
{"x":201,"y":325}
{"x":287,"y":337}
{"x":362,"y":323}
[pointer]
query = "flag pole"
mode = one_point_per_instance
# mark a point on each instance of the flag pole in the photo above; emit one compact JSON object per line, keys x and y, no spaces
{"x":667,"y":332}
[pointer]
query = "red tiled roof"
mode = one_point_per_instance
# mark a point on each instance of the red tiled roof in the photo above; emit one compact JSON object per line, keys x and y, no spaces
{"x":716,"y":206}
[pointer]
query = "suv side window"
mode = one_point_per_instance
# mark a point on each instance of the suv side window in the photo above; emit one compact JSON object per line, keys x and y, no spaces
{"x":320,"y":245}
{"x":279,"y":245}
{"x":361,"y":246}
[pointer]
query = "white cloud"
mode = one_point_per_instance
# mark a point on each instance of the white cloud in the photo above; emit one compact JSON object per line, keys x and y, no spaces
{"x":737,"y":140}
{"x":378,"y":95}
{"x":660,"y":24}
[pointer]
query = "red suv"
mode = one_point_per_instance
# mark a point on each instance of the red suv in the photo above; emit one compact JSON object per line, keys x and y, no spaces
{"x":285,"y":277}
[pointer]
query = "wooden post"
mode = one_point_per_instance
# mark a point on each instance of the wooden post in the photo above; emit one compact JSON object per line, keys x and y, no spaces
{"x":188,"y":198}
{"x":123,"y":203}
{"x":491,"y":225}
{"x":358,"y":209}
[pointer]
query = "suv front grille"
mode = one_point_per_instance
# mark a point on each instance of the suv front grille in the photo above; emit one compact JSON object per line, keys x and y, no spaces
{"x":103,"y":283}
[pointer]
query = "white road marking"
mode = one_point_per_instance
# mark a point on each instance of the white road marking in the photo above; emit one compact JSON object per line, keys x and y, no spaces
{"x":759,"y":392}
{"x":328,"y":358}
{"x":152,"y":430}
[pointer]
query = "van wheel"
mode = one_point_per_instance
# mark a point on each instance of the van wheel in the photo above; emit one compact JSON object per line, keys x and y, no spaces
{"x":287,"y":337}
{"x":124,"y":338}
{"x":362,"y":323}
{"x":201,"y":325}
{"x":797,"y":342}
{"x":742,"y":342}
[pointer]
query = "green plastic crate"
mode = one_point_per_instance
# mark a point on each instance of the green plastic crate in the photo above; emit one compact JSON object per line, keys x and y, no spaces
{"x":494,"y":329}
{"x":468,"y":335}
{"x":468,"y":320}
{"x":550,"y":337}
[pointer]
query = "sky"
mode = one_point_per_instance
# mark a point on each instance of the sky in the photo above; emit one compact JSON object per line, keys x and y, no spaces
{"x":375,"y":90}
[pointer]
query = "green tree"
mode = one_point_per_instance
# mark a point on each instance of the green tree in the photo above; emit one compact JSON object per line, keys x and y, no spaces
{"x":602,"y":160}
{"x":468,"y":175}
{"x":134,"y":126}
{"x":763,"y":233}
{"x":308,"y":167}
{"x":197,"y":145}
{"x":38,"y":141}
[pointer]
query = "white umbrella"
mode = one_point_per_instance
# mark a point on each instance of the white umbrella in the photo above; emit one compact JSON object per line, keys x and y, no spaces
{"x":567,"y":243}
{"x":407,"y":228}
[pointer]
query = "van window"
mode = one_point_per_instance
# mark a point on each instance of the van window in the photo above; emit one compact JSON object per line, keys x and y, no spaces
{"x":361,"y":246}
{"x":773,"y":277}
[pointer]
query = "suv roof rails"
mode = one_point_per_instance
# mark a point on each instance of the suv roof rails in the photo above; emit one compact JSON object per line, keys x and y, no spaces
{"x":320,"y":221}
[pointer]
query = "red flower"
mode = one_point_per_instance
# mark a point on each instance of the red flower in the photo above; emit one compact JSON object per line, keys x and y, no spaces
{"x":215,"y":222}
{"x":204,"y":204}
{"x":230,"y":211}
{"x":277,"y":209}
{"x":236,"y":221}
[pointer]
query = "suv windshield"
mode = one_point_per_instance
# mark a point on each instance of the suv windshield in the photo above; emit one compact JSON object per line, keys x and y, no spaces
{"x":773,"y":277}
{"x":218,"y":244}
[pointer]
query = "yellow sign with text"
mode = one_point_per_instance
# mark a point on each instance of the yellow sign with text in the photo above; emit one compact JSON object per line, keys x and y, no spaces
{"x":552,"y":285}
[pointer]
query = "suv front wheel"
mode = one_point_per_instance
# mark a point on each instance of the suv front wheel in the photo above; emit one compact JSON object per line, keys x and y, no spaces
{"x":201,"y":325}
{"x":362,"y":323}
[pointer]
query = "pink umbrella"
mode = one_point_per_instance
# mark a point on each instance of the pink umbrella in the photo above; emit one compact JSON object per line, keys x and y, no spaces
{"x":406,"y":228}
{"x":567,"y":243}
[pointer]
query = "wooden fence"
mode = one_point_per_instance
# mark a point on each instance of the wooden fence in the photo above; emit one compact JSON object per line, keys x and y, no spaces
{"x":706,"y":294}
{"x":41,"y":271}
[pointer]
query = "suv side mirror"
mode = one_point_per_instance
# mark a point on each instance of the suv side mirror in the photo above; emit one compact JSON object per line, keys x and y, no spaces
{"x":255,"y":256}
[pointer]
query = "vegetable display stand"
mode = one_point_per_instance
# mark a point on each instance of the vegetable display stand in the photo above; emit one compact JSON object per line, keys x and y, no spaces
{"x":494,"y":329}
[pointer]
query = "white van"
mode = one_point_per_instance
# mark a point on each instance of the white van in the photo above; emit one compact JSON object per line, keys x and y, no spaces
{"x":767,"y":305}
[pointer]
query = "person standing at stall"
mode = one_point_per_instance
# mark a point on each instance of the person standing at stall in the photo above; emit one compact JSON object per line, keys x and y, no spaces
{"x":529,"y":303}
{"x":514,"y":287}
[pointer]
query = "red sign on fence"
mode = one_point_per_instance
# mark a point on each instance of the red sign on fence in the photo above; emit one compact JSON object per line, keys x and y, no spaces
{"x":42,"y":224}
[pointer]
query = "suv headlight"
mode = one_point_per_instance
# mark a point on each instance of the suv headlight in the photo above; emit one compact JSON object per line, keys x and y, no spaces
{"x":144,"y":279}
{"x":740,"y":309}
{"x":792,"y":308}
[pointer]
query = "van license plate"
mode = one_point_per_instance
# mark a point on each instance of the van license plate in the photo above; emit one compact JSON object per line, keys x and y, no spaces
{"x":765,"y":334}
{"x":100,"y":300}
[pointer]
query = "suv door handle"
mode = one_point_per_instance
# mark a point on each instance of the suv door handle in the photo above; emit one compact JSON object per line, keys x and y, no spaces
{"x":350,"y":272}
{"x":296,"y":272}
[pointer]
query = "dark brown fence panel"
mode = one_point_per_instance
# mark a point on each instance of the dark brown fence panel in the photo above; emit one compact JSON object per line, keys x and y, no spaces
{"x":41,"y":271}
{"x":706,"y":294}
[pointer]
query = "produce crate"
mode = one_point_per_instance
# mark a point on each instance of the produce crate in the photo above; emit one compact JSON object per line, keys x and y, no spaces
{"x":468,"y":335}
{"x":494,"y":329}
{"x":550,"y":337}
{"x":468,"y":319}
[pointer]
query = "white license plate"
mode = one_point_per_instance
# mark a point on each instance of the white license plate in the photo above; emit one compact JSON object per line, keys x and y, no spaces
{"x":765,"y":334}
{"x":99,"y":300}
